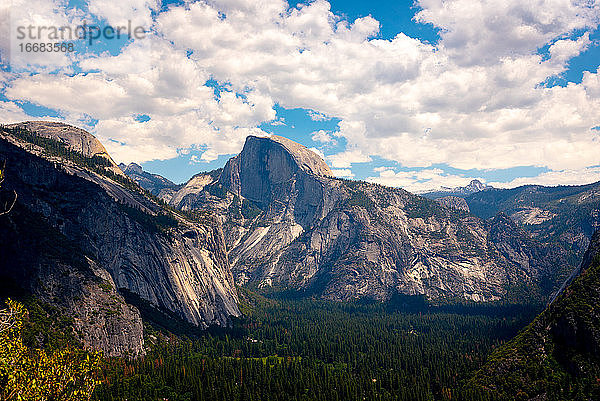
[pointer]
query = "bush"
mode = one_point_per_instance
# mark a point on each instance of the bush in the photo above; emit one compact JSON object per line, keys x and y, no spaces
{"x":35,"y":374}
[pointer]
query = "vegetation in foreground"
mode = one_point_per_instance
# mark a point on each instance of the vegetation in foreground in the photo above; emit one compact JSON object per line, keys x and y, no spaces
{"x":33,"y":374}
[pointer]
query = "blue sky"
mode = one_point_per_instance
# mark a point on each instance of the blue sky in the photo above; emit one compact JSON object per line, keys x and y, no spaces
{"x":406,"y":94}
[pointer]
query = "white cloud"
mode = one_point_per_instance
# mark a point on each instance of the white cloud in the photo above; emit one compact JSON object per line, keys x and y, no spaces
{"x":345,"y":159}
{"x":342,"y":172}
{"x":420,"y":180}
{"x":473,"y":100}
{"x":484,"y":32}
{"x":123,"y":12}
{"x":30,"y":21}
{"x":552,"y":178}
{"x":11,"y":113}
{"x":183,"y":112}
{"x":322,"y":136}
{"x":316,"y":116}
{"x":279,"y":121}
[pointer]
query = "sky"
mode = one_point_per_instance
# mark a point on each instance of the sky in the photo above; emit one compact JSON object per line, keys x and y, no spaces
{"x":417,"y":95}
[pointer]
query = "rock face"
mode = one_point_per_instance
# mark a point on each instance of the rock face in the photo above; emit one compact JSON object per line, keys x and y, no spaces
{"x":153,"y":183}
{"x":557,"y":356}
{"x":289,"y":224}
{"x":37,"y":258}
{"x":453,"y":202}
{"x":74,"y":138}
{"x":128,"y":241}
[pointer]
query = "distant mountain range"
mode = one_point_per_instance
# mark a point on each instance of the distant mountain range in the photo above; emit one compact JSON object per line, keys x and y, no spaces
{"x":153,"y":183}
{"x":273,"y":218}
{"x":289,"y":223}
{"x":461,"y":192}
{"x":567,"y":215}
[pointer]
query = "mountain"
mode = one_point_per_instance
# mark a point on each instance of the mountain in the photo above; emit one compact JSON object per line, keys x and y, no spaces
{"x":289,"y":224}
{"x":564,"y":215}
{"x":453,"y":202}
{"x":85,"y":238}
{"x":155,"y":184}
{"x":73,"y":138}
{"x":556,"y":357}
{"x":274,"y":217}
{"x":461,"y":192}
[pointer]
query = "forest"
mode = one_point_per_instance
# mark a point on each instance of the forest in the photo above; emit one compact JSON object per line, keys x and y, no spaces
{"x":307,"y":349}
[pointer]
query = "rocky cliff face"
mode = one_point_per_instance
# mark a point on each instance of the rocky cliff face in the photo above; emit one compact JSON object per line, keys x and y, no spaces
{"x":36,"y":258}
{"x":126,"y":239}
{"x":288,"y":223}
{"x":557,"y":356}
{"x":454,"y":202}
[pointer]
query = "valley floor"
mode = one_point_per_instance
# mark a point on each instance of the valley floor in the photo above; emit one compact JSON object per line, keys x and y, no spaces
{"x":318,"y":350}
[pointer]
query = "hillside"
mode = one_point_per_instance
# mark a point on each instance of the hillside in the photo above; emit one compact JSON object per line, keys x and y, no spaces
{"x":557,"y":356}
{"x":75,"y":218}
{"x":565,"y":215}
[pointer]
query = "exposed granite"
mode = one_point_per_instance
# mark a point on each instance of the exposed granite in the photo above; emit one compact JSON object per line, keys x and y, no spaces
{"x":182,"y":269}
{"x":345,"y":239}
{"x":453,"y":202}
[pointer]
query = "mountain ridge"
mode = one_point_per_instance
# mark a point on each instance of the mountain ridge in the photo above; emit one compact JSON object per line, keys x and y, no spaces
{"x":127,"y":240}
{"x":473,"y":187}
{"x":286,"y":226}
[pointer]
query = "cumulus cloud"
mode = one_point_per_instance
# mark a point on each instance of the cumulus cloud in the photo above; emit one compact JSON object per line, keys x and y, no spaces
{"x":421,"y":180}
{"x":564,"y":177}
{"x":342,"y":172}
{"x":11,"y":113}
{"x":476,"y":99}
{"x":347,"y":158}
{"x":316,"y":116}
{"x":183,"y":111}
{"x":120,"y":13}
{"x":322,"y":137}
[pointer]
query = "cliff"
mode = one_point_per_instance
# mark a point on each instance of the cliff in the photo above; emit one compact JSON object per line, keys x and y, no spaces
{"x":117,"y":233}
{"x":289,"y":224}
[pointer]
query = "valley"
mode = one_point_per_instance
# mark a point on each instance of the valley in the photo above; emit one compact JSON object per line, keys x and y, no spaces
{"x":272,"y":279}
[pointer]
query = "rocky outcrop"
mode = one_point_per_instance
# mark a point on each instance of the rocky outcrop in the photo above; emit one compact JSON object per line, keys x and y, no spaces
{"x":130,"y":242}
{"x":36,"y":258}
{"x":277,"y":174}
{"x":345,"y":239}
{"x":266,"y":196}
{"x":184,"y":198}
{"x":453,"y":202}
{"x":74,"y":138}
